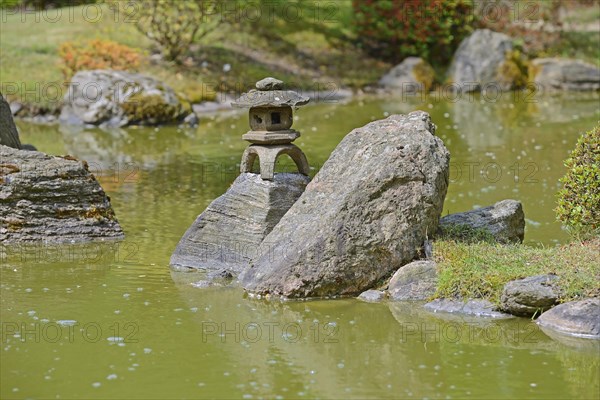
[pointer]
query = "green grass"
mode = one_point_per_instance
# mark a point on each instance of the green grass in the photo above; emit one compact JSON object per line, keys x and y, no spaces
{"x":581,"y":45}
{"x":481,"y":269}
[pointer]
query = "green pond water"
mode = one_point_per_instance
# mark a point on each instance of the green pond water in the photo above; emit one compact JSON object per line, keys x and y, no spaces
{"x":111,"y":320}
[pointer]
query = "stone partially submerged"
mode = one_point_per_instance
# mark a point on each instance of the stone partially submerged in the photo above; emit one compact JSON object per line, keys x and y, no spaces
{"x":51,"y":199}
{"x":365,"y":214}
{"x":576,"y":318}
{"x":564,"y":74}
{"x":228,"y":234}
{"x":415,"y":281}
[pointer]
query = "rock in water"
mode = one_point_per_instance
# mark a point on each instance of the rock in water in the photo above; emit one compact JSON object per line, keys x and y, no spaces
{"x":564,"y":74}
{"x":478,"y":61}
{"x":51,"y":199}
{"x":505,"y":221}
{"x":372,"y":296}
{"x":415,"y":281}
{"x":228,"y":234}
{"x":117,"y":98}
{"x":364,"y":215}
{"x":576,"y":318}
{"x":412,"y":75}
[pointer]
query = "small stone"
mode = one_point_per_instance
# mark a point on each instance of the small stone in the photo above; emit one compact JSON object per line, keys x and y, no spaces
{"x":269,"y":84}
{"x":529,"y":296}
{"x":414,"y":281}
{"x":372,"y":296}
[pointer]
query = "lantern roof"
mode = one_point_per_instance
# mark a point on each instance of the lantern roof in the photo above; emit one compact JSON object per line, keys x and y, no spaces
{"x":269,"y":93}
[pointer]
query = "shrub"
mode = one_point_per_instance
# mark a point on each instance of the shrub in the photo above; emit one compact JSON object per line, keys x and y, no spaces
{"x":97,"y":54}
{"x":174,"y":24}
{"x":396,"y":29}
{"x":579,"y":200}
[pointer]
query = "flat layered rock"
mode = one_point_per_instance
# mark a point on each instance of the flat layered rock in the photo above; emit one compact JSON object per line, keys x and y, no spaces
{"x":51,"y":199}
{"x":564,"y":74}
{"x":365,"y":214}
{"x":228,"y":234}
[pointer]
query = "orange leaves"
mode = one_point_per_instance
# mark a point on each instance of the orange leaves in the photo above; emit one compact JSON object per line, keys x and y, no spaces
{"x":96,"y":54}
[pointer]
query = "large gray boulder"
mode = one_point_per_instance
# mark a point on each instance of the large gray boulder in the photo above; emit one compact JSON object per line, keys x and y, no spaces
{"x":530,"y":296}
{"x":118,"y":98}
{"x":564,"y":74}
{"x":576,"y":318}
{"x":505,"y":221}
{"x":51,"y":199}
{"x":228,"y":234}
{"x":414,"y":281}
{"x":478,"y":61}
{"x":412,"y":75}
{"x":365,"y":214}
{"x":9,"y":136}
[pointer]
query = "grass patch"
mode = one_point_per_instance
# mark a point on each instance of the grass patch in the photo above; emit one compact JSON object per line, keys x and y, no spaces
{"x":481,"y":269}
{"x":581,"y":45}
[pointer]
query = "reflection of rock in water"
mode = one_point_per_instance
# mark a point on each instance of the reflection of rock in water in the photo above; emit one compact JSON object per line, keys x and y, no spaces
{"x":485,"y":124}
{"x":451,"y":328}
{"x":97,"y":147}
{"x":141,"y":148}
{"x":313,"y":347}
{"x":564,"y":107}
{"x":479,"y":123}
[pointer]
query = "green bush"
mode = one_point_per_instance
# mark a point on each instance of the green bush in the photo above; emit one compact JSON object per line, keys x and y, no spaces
{"x":579,"y":200}
{"x":396,"y":29}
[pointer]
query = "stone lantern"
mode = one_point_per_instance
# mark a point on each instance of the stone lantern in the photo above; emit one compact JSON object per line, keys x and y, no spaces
{"x":270,"y":122}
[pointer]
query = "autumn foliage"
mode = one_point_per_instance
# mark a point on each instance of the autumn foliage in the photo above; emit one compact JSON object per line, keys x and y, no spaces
{"x":97,"y":54}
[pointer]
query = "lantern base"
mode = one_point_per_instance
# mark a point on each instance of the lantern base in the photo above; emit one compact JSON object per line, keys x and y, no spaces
{"x":267,"y":156}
